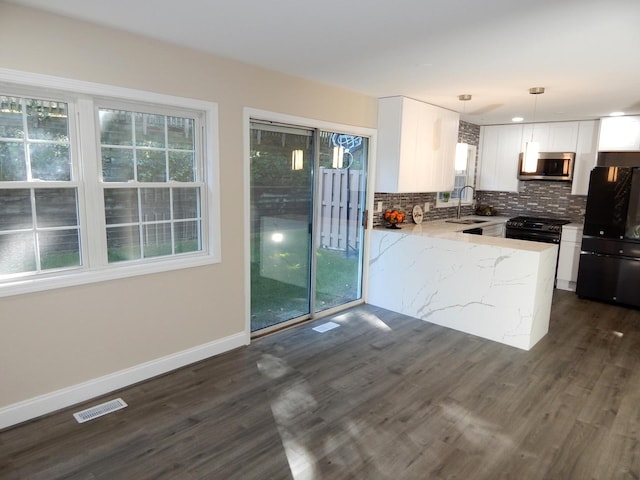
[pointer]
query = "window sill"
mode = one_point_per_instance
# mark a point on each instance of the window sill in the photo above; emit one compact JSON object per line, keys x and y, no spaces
{"x":452,"y":203}
{"x":82,"y":277}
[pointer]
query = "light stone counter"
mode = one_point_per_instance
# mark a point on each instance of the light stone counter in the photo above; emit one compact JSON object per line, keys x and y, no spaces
{"x":492,"y":287}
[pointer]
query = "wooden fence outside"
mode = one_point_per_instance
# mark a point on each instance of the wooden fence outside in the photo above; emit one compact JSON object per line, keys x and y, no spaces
{"x":340,"y":209}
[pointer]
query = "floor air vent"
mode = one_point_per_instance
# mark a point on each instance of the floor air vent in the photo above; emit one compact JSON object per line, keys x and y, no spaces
{"x":99,"y":410}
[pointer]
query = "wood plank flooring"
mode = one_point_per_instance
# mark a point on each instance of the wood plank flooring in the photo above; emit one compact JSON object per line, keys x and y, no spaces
{"x":382,"y":396}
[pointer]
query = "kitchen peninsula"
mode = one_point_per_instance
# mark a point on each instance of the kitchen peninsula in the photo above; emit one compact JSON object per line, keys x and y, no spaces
{"x":493,"y":287}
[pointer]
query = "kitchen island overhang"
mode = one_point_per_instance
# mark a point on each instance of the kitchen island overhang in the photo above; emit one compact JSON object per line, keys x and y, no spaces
{"x":492,"y":287}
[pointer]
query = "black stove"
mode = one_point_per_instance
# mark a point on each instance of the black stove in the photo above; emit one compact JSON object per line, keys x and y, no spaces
{"x":538,"y":229}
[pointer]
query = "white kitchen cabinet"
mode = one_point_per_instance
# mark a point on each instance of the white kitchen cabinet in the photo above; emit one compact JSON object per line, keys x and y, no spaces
{"x":569,"y":256}
{"x":416,"y":146}
{"x":586,"y":154}
{"x":552,"y":136}
{"x":500,"y":146}
{"x":619,"y":134}
{"x":495,"y":230}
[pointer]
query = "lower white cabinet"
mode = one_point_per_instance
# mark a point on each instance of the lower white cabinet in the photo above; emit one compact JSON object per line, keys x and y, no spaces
{"x":495,"y":230}
{"x":569,"y":257}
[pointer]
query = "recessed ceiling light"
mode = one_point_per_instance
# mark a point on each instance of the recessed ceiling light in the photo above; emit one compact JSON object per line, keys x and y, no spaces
{"x":517,"y":119}
{"x":616,"y":114}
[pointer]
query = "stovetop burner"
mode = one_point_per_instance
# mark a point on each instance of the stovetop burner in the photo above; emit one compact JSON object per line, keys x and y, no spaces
{"x":537,"y":223}
{"x":540,"y":220}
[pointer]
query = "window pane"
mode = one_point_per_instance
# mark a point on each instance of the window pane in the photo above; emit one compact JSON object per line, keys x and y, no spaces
{"x":121,"y":205}
{"x":187,"y":237}
{"x":56,"y":207}
{"x":47,"y":120}
{"x":12,"y":164}
{"x":15,"y":209}
{"x":180,"y":133}
{"x":150,"y":130}
{"x":17,"y":253}
{"x":50,"y":162}
{"x":157,"y":239}
{"x":11,"y":118}
{"x":186,"y":203}
{"x":59,"y":248}
{"x":123,"y":243}
{"x":152,"y":166}
{"x":182,"y":166}
{"x":116,"y":127}
{"x":117,"y":164}
{"x":163,"y":149}
{"x":155,"y":204}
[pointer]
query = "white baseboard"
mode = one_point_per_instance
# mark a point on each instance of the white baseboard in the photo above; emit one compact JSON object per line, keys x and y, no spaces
{"x":59,"y":399}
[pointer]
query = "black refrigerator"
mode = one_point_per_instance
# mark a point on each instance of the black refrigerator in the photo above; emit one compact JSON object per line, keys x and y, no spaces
{"x":609,"y":267}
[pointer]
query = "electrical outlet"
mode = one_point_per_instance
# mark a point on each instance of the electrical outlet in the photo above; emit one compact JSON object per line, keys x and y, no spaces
{"x":427,"y":206}
{"x":379,"y":207}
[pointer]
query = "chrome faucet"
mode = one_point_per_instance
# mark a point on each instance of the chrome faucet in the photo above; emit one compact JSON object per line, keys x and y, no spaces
{"x":460,"y":198}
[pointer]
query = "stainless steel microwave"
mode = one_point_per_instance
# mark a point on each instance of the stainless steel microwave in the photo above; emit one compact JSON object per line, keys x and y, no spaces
{"x":551,"y":166}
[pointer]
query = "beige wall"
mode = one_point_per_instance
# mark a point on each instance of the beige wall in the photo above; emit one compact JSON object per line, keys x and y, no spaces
{"x":59,"y":338}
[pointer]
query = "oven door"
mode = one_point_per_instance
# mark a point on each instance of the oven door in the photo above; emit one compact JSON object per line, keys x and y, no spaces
{"x":533,"y":236}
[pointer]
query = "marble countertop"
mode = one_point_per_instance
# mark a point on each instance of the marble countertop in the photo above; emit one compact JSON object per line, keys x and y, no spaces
{"x":453,"y":231}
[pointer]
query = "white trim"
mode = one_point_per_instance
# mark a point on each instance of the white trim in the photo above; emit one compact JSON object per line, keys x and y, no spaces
{"x":93,"y":271}
{"x":66,"y":397}
{"x":72,"y":86}
{"x":82,"y":277}
{"x":258,"y":114}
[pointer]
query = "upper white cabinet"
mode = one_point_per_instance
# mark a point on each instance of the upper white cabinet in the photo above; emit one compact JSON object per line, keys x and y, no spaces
{"x":586,"y":154}
{"x":553,"y":137}
{"x":416,"y":146}
{"x":500,"y":146}
{"x":619,"y":133}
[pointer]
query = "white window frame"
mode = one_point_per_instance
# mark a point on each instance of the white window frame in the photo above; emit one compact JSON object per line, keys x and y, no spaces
{"x":83,"y":99}
{"x":469,"y":174}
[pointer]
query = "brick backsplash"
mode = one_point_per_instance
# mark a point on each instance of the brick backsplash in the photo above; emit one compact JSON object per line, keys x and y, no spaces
{"x":406,"y":201}
{"x":536,"y":198}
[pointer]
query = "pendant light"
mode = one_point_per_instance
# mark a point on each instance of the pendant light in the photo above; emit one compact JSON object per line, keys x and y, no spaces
{"x":462,"y":149}
{"x":531,"y":148}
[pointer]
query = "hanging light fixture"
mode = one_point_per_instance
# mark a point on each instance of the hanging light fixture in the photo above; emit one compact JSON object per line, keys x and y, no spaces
{"x":462,"y":149}
{"x":297,"y":160}
{"x":531,"y":148}
{"x":338,"y":156}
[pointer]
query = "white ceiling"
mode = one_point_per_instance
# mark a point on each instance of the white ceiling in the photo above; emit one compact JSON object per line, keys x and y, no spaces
{"x":585,"y":52}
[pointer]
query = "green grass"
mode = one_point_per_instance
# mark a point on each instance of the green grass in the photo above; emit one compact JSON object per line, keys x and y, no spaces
{"x":274,"y":301}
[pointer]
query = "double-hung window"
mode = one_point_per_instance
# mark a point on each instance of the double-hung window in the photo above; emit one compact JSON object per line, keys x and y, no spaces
{"x":95,"y":187}
{"x":39,"y":227}
{"x":151,"y":184}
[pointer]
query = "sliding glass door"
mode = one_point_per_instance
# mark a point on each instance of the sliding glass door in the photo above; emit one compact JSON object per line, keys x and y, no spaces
{"x":307,"y":206}
{"x":340,"y":204}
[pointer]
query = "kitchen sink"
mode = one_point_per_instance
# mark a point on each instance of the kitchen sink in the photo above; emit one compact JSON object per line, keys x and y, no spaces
{"x":465,"y":221}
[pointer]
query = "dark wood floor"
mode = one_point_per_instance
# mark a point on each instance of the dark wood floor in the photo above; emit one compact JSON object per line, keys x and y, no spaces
{"x":382,"y":396}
